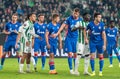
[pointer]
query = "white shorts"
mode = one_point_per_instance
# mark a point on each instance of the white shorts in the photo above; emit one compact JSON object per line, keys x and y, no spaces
{"x":25,"y":49}
{"x":83,"y":49}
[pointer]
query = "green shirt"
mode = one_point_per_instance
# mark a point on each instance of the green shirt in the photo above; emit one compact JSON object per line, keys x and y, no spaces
{"x":83,"y":24}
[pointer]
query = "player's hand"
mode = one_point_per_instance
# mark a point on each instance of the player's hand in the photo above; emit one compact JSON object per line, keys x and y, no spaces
{"x":27,"y":44}
{"x":104,"y":47}
{"x":86,"y":41}
{"x":48,"y":46}
{"x":40,"y":38}
{"x":60,"y":46}
{"x":117,"y":45}
{"x":16,"y":45}
{"x":15,"y":31}
{"x":54,"y":35}
{"x":6,"y":32}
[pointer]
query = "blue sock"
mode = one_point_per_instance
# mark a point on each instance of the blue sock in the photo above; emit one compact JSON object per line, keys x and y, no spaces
{"x":43,"y":60}
{"x":92,"y":63}
{"x":70,"y":62}
{"x":51,"y":65}
{"x":101,"y":63}
{"x":110,"y":59}
{"x":2,"y":60}
{"x":36,"y":59}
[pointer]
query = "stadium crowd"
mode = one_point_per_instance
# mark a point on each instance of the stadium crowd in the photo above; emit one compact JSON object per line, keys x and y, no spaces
{"x":110,"y":9}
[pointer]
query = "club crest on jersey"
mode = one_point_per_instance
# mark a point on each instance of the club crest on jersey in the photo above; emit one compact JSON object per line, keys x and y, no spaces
{"x":113,"y":30}
{"x":99,"y":27}
{"x":16,"y":25}
{"x":79,"y":50}
{"x":25,"y":24}
{"x":57,"y":27}
{"x":43,"y":27}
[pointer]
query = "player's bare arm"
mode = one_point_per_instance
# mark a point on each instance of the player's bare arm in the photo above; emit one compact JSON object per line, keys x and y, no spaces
{"x":117,"y":41}
{"x":60,"y":41}
{"x":33,"y":41}
{"x":6,"y":32}
{"x":47,"y":41}
{"x":104,"y":39}
{"x":17,"y":40}
{"x":61,"y":28}
{"x":85,"y":36}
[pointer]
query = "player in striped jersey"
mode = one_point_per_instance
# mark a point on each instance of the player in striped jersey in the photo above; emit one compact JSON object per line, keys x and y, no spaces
{"x":26,"y":36}
{"x":82,"y":47}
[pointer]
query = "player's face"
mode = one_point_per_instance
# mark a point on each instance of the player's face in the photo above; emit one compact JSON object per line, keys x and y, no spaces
{"x":14,"y":18}
{"x":112,"y":24}
{"x":76,"y":14}
{"x":98,"y":18}
{"x":87,"y":17}
{"x":57,"y":19}
{"x":33,"y":17}
{"x":41,"y":18}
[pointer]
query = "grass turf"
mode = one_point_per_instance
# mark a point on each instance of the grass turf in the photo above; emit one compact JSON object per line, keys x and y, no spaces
{"x":10,"y":70}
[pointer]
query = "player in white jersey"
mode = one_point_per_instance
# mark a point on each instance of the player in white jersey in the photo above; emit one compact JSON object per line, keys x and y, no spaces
{"x":82,"y":47}
{"x":26,"y":36}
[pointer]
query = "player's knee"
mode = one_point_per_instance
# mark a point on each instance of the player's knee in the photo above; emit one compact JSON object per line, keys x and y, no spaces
{"x":43,"y":54}
{"x":35,"y":54}
{"x":110,"y":55}
{"x":51,"y":56}
{"x":117,"y":54}
{"x":101,"y":57}
{"x":92,"y":57}
{"x":69,"y":54}
{"x":75,"y":55}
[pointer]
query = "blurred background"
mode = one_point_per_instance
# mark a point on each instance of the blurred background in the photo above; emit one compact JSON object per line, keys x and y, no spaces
{"x":110,"y":9}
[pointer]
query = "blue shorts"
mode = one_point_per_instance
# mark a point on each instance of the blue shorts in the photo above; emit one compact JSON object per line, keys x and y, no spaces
{"x":70,"y":45}
{"x":96,"y":46}
{"x":39,"y":46}
{"x":111,"y":48}
{"x":53,"y":48}
{"x":8,"y":45}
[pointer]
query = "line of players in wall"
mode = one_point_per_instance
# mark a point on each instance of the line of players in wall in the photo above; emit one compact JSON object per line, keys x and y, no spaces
{"x":83,"y":38}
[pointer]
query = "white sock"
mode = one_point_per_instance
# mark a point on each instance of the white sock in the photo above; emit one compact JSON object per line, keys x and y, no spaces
{"x":77,"y":62}
{"x":86,"y":63}
{"x":21,"y":67}
{"x":28,"y":67}
{"x":33,"y":61}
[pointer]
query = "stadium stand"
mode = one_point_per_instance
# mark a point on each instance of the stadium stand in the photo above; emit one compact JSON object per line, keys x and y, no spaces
{"x":110,"y":9}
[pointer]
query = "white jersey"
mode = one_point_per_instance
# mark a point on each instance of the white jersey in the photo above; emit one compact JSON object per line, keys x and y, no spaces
{"x":82,"y":48}
{"x":27,"y":32}
{"x":81,"y":35}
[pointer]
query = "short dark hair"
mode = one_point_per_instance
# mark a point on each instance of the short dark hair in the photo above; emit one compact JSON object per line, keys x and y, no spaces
{"x":15,"y":14}
{"x":30,"y":14}
{"x":76,"y":10}
{"x":55,"y":15}
{"x":86,"y":13}
{"x":111,"y":21}
{"x":96,"y":14}
{"x":40,"y":15}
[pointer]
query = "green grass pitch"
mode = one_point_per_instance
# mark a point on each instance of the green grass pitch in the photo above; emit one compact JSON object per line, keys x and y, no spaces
{"x":10,"y":70}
